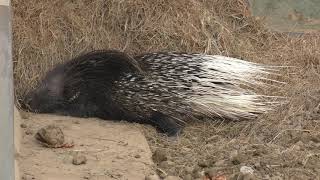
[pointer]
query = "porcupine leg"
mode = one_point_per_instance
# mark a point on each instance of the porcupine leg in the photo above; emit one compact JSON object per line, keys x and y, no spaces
{"x":166,"y":123}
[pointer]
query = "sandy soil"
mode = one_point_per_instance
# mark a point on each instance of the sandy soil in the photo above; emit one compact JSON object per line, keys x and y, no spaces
{"x":113,"y":150}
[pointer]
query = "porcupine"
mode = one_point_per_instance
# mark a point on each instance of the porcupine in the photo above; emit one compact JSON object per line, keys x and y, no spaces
{"x":165,"y":89}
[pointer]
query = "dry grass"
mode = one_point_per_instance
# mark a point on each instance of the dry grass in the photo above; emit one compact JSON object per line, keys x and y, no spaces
{"x":47,"y":32}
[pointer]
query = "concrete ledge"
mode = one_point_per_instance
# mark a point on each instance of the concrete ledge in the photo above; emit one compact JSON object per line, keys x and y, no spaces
{"x":17,"y":141}
{"x":4,"y":2}
{"x":113,"y":150}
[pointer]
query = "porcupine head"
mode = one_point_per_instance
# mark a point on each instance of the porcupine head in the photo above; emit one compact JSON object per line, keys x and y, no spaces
{"x":48,"y":96}
{"x":82,"y":86}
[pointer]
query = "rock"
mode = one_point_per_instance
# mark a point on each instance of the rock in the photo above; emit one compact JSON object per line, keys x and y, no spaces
{"x":248,"y":177}
{"x":240,"y":176}
{"x":137,"y":156}
{"x":172,"y":178}
{"x":203,"y":163}
{"x":159,"y":155}
{"x":196,"y":173}
{"x":27,"y":177}
{"x":161,"y":173}
{"x":257,"y":165}
{"x":50,"y":136}
{"x":220,"y":163}
{"x":79,"y":159}
{"x":188,"y":170}
{"x":29,"y":132}
{"x":188,"y":177}
{"x":165,"y":164}
{"x":22,"y":125}
{"x":152,"y":177}
{"x":213,"y":139}
{"x":246,"y":170}
{"x":276,"y":178}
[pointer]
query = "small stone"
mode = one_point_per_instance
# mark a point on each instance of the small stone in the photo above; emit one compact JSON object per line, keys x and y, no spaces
{"x":276,"y":178}
{"x":29,"y":132}
{"x":137,"y":156}
{"x":165,"y":164}
{"x":161,"y":173}
{"x":85,"y":177}
{"x":27,"y":177}
{"x":220,"y":163}
{"x":236,"y":158}
{"x":172,"y":178}
{"x":240,"y":176}
{"x":248,"y":177}
{"x":159,"y":155}
{"x":188,"y":177}
{"x":152,"y":177}
{"x":209,"y":146}
{"x":246,"y":170}
{"x":79,"y":159}
{"x":185,"y":149}
{"x":188,"y":170}
{"x":257,"y":165}
{"x":76,"y":122}
{"x":50,"y":136}
{"x":203,"y":163}
{"x":212,"y":139}
{"x":22,"y":125}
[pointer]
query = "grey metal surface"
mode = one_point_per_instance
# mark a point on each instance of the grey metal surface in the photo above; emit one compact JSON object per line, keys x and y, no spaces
{"x":6,"y":97}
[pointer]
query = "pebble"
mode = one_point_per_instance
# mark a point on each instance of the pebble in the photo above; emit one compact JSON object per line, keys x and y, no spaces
{"x":159,"y":155}
{"x":188,"y":177}
{"x":172,"y":178}
{"x":152,"y":177}
{"x":243,"y":177}
{"x":246,"y":170}
{"x":166,"y":164}
{"x":188,"y":170}
{"x":27,"y":177}
{"x":220,"y":163}
{"x":29,"y":132}
{"x":276,"y":178}
{"x":203,"y":163}
{"x":79,"y":159}
{"x":236,"y":158}
{"x":161,"y":173}
{"x":22,"y":125}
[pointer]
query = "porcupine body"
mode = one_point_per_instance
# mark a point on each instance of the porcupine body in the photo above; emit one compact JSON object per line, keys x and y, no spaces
{"x":162,"y":89}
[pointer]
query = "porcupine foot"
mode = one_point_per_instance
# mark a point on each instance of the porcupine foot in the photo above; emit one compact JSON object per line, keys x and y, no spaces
{"x":166,"y":124}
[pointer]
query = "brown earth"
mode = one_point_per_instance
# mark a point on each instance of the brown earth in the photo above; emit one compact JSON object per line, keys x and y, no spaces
{"x":283,"y":144}
{"x":112,"y":150}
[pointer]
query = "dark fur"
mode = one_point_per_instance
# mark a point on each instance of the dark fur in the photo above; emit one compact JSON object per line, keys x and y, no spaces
{"x":85,"y":87}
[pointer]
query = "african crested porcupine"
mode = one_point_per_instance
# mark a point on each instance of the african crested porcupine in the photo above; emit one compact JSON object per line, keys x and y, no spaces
{"x":162,"y":89}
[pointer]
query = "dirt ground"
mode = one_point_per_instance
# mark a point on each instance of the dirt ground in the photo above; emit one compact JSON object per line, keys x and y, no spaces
{"x":282,"y":144}
{"x":112,"y":150}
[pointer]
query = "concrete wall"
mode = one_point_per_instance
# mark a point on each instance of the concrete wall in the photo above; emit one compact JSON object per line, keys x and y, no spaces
{"x":6,"y":96}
